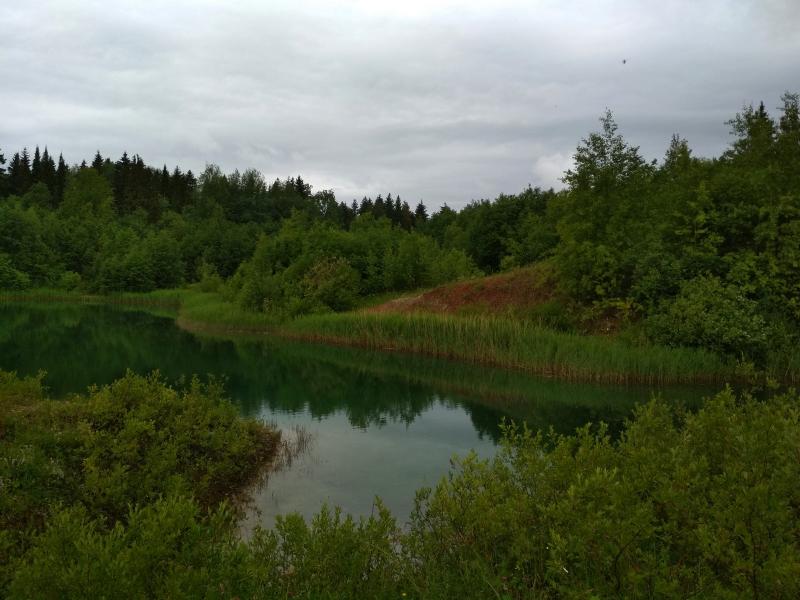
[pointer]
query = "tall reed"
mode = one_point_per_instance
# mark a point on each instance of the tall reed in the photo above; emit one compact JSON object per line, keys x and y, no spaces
{"x":516,"y":344}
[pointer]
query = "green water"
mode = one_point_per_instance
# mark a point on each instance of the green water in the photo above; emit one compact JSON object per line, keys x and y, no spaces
{"x":375,"y":424}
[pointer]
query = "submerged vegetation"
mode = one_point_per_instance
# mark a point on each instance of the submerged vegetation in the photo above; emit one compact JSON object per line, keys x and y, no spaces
{"x":674,"y":508}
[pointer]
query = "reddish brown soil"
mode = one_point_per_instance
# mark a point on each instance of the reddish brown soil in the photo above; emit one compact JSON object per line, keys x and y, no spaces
{"x":516,"y":291}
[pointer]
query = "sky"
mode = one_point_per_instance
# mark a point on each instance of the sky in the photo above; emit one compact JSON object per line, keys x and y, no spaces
{"x":435,"y":100}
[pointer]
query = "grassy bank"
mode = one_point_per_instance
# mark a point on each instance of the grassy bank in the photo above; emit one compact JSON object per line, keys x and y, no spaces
{"x":497,"y":341}
{"x":513,"y":344}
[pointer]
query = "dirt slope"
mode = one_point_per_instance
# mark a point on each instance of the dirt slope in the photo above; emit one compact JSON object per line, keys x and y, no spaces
{"x":516,"y":291}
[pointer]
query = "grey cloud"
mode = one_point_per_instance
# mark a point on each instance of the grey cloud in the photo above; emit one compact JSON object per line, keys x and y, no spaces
{"x":440,"y":100}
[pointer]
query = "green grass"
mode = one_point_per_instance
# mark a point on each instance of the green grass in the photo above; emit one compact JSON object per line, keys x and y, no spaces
{"x":514,"y":344}
{"x":210,"y":311}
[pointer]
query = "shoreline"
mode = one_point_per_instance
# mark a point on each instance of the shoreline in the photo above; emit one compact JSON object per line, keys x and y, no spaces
{"x":498,"y":343}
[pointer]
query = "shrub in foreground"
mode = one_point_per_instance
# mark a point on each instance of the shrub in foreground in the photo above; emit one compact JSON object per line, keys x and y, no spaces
{"x":682,"y":505}
{"x":121,"y":446}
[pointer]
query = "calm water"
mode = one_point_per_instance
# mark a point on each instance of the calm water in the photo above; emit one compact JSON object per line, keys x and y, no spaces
{"x":374,"y":424}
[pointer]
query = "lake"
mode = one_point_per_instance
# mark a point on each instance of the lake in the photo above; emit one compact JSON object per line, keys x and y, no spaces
{"x":365,"y":424}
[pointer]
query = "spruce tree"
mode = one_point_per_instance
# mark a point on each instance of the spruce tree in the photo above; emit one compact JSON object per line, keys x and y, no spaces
{"x":420,"y":214}
{"x":48,"y":172}
{"x":36,"y":167}
{"x":60,"y":180}
{"x":121,"y":182}
{"x":97,"y":163}
{"x":19,"y":172}
{"x":406,"y":217}
{"x":3,"y":176}
{"x":366,"y":206}
{"x":378,"y":209}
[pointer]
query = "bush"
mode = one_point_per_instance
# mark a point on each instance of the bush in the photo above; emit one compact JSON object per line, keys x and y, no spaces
{"x":69,"y":280}
{"x":126,"y":444}
{"x":209,"y":279}
{"x":11,"y":278}
{"x":710,"y":314}
{"x":682,"y":505}
{"x":331,"y":283}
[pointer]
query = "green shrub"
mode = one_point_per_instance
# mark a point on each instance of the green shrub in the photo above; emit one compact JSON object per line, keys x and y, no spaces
{"x":69,"y":281}
{"x":126,"y":444}
{"x":710,"y":314}
{"x":331,"y":283}
{"x":11,"y":278}
{"x":209,"y":279}
{"x":682,"y":505}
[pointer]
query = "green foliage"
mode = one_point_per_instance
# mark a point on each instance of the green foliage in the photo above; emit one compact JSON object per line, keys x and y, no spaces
{"x":129,"y":443}
{"x":316,"y":268}
{"x":11,"y":278}
{"x":681,"y":505}
{"x":209,"y":279}
{"x":331,"y":283}
{"x":623,"y":232}
{"x":69,"y":280}
{"x":709,"y":314}
{"x":669,"y":511}
{"x":88,"y":195}
{"x":511,"y":342}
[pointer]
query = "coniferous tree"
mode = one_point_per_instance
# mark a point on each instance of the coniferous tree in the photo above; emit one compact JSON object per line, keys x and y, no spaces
{"x":406,"y":217}
{"x":378,"y":208}
{"x":164,"y":183}
{"x":19,"y":172}
{"x":755,"y":131}
{"x":36,"y":166}
{"x":787,"y":144}
{"x":302,"y":188}
{"x":366,"y":206}
{"x":420,"y":214}
{"x":97,"y":163}
{"x":60,"y":180}
{"x":388,"y":209}
{"x":3,"y":176}
{"x":121,"y":183}
{"x":48,"y":171}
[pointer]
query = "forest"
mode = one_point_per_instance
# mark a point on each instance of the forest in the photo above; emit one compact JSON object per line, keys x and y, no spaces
{"x":686,"y":251}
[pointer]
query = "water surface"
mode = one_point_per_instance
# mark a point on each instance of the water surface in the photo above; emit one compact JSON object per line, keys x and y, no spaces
{"x":374,"y":424}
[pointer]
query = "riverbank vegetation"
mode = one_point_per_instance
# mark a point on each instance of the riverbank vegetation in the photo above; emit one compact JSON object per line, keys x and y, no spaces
{"x":687,"y":252}
{"x":550,"y":516}
{"x":515,"y":344}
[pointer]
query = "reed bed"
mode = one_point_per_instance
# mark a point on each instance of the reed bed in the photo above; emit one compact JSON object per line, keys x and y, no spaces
{"x":515,"y":344}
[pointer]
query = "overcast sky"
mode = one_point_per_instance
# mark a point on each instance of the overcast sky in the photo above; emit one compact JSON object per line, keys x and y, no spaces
{"x":445,"y":101}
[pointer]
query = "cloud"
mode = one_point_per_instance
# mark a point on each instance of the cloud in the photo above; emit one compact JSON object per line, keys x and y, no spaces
{"x":441,"y":100}
{"x":549,"y":169}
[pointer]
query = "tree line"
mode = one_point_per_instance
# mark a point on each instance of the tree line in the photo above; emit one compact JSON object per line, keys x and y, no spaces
{"x":682,"y":251}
